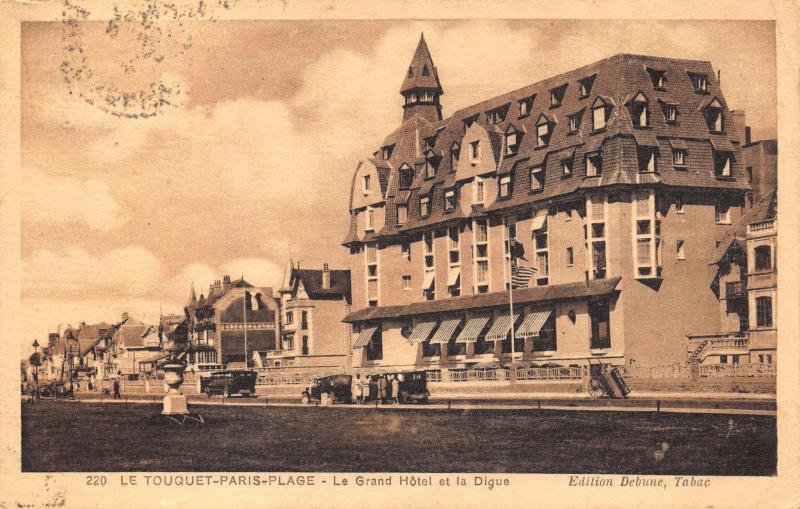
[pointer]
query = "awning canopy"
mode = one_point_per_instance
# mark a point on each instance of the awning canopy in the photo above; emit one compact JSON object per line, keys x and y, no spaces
{"x":445,"y":331}
{"x":533,"y":322}
{"x":501,"y":327}
{"x":473,"y":329}
{"x":422,"y":331}
{"x":453,"y":275}
{"x":427,"y":282}
{"x":678,"y":144}
{"x":539,"y":221}
{"x":364,"y":337}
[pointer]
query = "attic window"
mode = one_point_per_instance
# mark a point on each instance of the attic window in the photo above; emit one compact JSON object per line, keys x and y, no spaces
{"x":670,"y":112}
{"x":575,"y":121}
{"x":496,"y":115}
{"x":470,"y":120}
{"x":600,"y":112}
{"x":657,"y":78}
{"x":586,"y":85}
{"x":455,"y":150}
{"x":713,"y":114}
{"x":429,"y":143}
{"x":425,"y":71}
{"x":594,"y":164}
{"x":367,"y":184}
{"x":505,"y":186}
{"x":402,"y":214}
{"x":430,"y":165}
{"x":410,"y":72}
{"x":647,"y":160}
{"x":543,"y":132}
{"x":640,"y":114}
{"x":512,"y":141}
{"x":722,"y":164}
{"x":386,"y":152}
{"x":449,"y":200}
{"x":525,"y":106}
{"x":699,"y":82}
{"x":406,"y":177}
{"x":424,"y":206}
{"x":475,"y":150}
{"x":566,"y":166}
{"x":557,"y":95}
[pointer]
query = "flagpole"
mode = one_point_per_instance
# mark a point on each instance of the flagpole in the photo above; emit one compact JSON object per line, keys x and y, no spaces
{"x":244,"y":312}
{"x":511,"y":303}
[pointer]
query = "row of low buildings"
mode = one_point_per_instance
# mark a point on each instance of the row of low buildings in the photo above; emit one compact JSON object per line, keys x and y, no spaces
{"x":624,"y":201}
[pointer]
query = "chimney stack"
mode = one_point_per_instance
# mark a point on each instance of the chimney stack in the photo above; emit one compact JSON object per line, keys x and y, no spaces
{"x":326,"y":277}
{"x":226,"y":283}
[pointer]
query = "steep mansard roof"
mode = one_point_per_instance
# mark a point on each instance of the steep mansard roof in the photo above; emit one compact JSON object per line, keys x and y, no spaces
{"x":763,"y":210}
{"x":616,"y":81}
{"x":421,"y":72}
{"x":312,"y":282}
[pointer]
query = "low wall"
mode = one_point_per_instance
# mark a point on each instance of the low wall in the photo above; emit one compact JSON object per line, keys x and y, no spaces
{"x":487,"y":389}
{"x":702,"y":384}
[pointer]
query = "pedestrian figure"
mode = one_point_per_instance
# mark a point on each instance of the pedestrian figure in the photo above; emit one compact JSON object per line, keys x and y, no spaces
{"x":90,"y":385}
{"x":116,"y":389}
{"x":358,"y":389}
{"x":396,"y":389}
{"x":381,"y":389}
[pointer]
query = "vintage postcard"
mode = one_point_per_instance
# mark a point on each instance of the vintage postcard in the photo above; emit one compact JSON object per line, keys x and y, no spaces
{"x":336,"y":254}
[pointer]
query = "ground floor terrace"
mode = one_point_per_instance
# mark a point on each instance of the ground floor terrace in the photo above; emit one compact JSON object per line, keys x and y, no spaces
{"x":557,"y":326}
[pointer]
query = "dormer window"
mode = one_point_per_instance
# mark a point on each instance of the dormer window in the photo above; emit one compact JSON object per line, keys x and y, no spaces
{"x":586,"y":85}
{"x":425,"y":71}
{"x":679,"y":158}
{"x":512,"y":141}
{"x":430,"y":165}
{"x":496,"y":115}
{"x":428,"y":143}
{"x":600,"y":113}
{"x":469,"y":121}
{"x":713,"y":114}
{"x":647,"y":160}
{"x":557,"y":95}
{"x":525,"y":106}
{"x":543,"y":131}
{"x":406,"y":177}
{"x":594,"y":165}
{"x":505,"y":186}
{"x":370,"y":219}
{"x":475,"y":151}
{"x":367,"y":184}
{"x":699,"y":82}
{"x":410,"y":72}
{"x":455,"y":150}
{"x":657,"y":78}
{"x":670,"y":112}
{"x":478,"y":191}
{"x":386,"y":152}
{"x":449,"y":200}
{"x":722,"y":164}
{"x":424,"y":206}
{"x":575,"y":121}
{"x":640,"y":114}
{"x":566,"y":167}
{"x":402,"y":214}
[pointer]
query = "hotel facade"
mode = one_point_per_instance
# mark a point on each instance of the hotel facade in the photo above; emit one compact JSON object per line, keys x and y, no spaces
{"x":610,"y":185}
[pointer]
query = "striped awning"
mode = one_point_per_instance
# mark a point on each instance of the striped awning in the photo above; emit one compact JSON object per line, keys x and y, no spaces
{"x":427,"y":282}
{"x":453,"y":275}
{"x":473,"y":329}
{"x":533,"y":322}
{"x":445,"y":330}
{"x":422,"y":331}
{"x":364,"y":337}
{"x":501,"y":327}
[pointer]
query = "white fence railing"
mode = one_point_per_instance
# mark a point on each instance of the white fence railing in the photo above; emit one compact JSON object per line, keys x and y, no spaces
{"x":702,"y":370}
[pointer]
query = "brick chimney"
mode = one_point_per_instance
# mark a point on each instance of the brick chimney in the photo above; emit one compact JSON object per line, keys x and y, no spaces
{"x":226,"y":282}
{"x":326,"y":277}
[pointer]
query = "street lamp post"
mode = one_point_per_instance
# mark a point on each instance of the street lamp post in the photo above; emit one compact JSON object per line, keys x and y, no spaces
{"x":36,"y":362}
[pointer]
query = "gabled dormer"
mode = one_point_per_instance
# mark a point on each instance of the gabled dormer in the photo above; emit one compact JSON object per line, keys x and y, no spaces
{"x":639,"y":110}
{"x":601,"y":112}
{"x":513,"y":139}
{"x":477,"y":156}
{"x":712,"y":111}
{"x":544,"y":130}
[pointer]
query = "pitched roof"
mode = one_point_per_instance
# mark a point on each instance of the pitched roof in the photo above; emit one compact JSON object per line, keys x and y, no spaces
{"x":90,"y":333}
{"x":593,"y":287}
{"x":615,"y":79}
{"x":421,"y":71}
{"x":312,"y":282}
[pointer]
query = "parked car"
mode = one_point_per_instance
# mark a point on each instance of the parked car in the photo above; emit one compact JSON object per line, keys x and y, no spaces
{"x":337,"y":385}
{"x":229,"y":383}
{"x":413,"y":386}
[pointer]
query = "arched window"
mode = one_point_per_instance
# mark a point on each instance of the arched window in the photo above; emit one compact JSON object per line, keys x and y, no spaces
{"x":763,"y":258}
{"x":406,"y":177}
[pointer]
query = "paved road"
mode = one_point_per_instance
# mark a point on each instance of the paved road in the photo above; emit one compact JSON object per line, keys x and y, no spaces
{"x":726,"y":405}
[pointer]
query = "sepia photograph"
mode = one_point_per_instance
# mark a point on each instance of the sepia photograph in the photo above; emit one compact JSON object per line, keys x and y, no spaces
{"x":408,"y":252}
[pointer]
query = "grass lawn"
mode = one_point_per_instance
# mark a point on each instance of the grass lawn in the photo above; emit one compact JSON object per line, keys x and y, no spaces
{"x":71,"y":437}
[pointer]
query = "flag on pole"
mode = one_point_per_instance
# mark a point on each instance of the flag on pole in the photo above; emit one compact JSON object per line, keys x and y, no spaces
{"x":520,"y":274}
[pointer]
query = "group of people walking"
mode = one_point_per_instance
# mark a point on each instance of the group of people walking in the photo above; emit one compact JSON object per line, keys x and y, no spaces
{"x":381,"y":388}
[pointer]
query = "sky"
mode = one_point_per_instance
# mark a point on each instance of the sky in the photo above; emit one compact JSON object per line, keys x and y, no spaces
{"x":253,"y":156}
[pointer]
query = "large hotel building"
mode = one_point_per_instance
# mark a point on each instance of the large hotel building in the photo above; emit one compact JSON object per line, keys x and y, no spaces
{"x":617,"y":179}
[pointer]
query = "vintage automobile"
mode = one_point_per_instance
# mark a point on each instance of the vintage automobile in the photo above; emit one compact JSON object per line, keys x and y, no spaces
{"x":229,"y":383}
{"x":337,"y":385}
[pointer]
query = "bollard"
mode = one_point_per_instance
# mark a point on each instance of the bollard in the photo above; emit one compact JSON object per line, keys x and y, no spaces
{"x":658,"y":406}
{"x":266,"y":402}
{"x":448,"y":405}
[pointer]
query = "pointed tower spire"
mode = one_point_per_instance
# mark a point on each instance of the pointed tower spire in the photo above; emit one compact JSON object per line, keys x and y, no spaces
{"x":286,"y":285}
{"x":192,"y":298}
{"x":421,"y":87}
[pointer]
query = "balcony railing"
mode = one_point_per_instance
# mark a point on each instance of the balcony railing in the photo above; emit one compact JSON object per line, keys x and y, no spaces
{"x":736,"y":289}
{"x":761,"y":226}
{"x":702,"y":345}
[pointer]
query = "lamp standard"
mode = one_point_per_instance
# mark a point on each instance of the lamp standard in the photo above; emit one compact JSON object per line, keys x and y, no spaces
{"x":35,"y":362}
